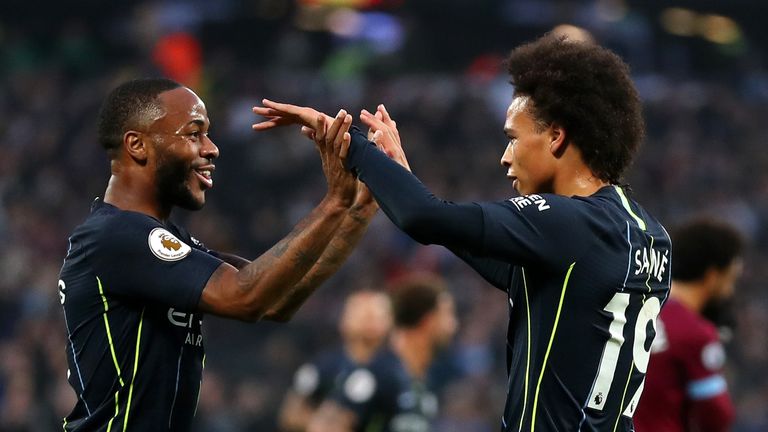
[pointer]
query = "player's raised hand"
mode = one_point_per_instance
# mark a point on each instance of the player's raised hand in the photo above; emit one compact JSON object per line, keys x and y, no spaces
{"x":281,"y":114}
{"x":330,"y":140}
{"x":383,"y":132}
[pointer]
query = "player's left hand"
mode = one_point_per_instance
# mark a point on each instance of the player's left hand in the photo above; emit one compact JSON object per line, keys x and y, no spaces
{"x":383,"y":132}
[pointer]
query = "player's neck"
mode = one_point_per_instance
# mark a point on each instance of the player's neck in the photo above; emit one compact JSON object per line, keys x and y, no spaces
{"x":689,"y":295}
{"x":577,"y":180}
{"x":412,"y":347}
{"x":130,"y":193}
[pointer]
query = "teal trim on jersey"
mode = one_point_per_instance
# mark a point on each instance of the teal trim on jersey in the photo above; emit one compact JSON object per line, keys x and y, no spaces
{"x":135,"y":368}
{"x":549,"y":347}
{"x":625,"y":203}
{"x":528,"y":343}
{"x":706,"y":388}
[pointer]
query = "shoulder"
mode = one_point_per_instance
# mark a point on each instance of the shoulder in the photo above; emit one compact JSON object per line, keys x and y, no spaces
{"x":117,"y":231}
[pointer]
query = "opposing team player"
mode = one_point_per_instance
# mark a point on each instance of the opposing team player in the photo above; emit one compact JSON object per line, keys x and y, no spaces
{"x":685,"y":388}
{"x":134,"y":286}
{"x":586,"y":268}
{"x":364,"y":325}
{"x":391,"y":393}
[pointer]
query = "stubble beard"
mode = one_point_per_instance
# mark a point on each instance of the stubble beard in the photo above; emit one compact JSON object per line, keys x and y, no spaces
{"x":172,"y":175}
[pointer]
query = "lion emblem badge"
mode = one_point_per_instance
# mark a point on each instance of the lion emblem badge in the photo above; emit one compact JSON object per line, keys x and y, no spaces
{"x":166,"y":246}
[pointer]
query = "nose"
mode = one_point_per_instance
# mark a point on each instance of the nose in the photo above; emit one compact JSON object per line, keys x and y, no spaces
{"x":506,"y":157}
{"x":209,"y":150}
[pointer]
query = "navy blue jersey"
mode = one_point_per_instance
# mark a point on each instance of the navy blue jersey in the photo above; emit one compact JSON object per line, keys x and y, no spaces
{"x":129,"y":288}
{"x":315,"y":379}
{"x":585,"y":277}
{"x":385,"y":398}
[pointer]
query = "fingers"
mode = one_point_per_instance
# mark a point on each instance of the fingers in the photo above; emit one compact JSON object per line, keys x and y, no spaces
{"x":308,"y":132}
{"x":344,"y":151}
{"x":333,"y":130}
{"x":385,"y":117}
{"x":342,"y":133}
{"x":320,"y":131}
{"x":372,"y":121}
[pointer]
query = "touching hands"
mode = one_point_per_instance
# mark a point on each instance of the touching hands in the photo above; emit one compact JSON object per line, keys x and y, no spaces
{"x":383,"y":132}
{"x":329,"y":135}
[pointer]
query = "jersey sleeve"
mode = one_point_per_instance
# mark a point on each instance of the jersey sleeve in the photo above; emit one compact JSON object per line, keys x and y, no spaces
{"x":530,"y":229}
{"x":711,"y":406}
{"x":137,"y":258}
{"x":703,"y":360}
{"x":495,"y":272}
{"x":535,"y":229}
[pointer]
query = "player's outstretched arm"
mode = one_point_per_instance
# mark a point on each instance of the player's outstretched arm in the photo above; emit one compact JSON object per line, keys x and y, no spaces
{"x":352,"y":228}
{"x":250,"y":293}
{"x":345,"y":239}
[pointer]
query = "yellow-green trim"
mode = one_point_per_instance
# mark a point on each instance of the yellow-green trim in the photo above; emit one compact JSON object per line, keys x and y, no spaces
{"x":549,"y":347}
{"x":624,"y":395}
{"x":135,"y":368}
{"x":528,"y":343}
{"x":109,"y":333}
{"x":117,"y":411}
{"x":625,"y":203}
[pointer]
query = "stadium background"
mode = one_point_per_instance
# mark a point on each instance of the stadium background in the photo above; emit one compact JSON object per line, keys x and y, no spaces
{"x":699,"y":65}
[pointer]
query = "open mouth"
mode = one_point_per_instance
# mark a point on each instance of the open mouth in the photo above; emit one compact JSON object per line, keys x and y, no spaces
{"x":205,"y":175}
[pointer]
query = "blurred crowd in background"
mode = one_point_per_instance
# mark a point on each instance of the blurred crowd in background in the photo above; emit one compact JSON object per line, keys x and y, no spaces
{"x":437,"y":66}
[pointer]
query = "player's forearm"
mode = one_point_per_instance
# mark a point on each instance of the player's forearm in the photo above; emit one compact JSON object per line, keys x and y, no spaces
{"x":249,"y":293}
{"x":350,"y":232}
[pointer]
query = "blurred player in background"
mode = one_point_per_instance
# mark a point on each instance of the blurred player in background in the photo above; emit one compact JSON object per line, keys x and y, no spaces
{"x":585,"y":267}
{"x":685,"y":389}
{"x":364,"y":325}
{"x":390,"y":394}
{"x":134,"y":286}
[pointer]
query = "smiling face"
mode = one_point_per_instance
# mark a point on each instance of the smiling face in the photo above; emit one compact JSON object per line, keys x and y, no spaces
{"x":529,"y":157}
{"x":183,"y":151}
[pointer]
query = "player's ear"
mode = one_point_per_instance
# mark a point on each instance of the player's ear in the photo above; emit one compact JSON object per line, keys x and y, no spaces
{"x":135,"y":145}
{"x":557,"y":139}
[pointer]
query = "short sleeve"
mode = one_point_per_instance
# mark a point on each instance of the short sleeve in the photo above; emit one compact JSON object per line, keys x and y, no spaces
{"x":136,"y":257}
{"x":535,"y":229}
{"x":703,"y":361}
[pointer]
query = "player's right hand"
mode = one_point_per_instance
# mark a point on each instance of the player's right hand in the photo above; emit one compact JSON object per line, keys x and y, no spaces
{"x":329,"y":140}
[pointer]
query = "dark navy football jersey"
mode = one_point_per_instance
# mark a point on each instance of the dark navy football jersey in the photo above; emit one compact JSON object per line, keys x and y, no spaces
{"x":129,"y":288}
{"x":385,"y":398}
{"x":315,"y":379}
{"x":585,"y":277}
